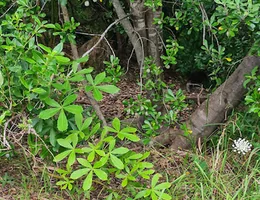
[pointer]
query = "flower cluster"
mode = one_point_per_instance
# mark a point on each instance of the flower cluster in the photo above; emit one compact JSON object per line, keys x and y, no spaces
{"x":241,"y":146}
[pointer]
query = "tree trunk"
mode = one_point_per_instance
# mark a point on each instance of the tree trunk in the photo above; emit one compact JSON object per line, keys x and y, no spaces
{"x":144,"y":35}
{"x":130,"y":32}
{"x":138,"y":17}
{"x":212,"y":111}
{"x":155,"y":48}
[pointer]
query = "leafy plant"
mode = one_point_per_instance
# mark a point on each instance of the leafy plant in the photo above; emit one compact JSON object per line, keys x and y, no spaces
{"x":104,"y":161}
{"x":96,"y":88}
{"x":62,"y":124}
{"x":156,"y":191}
{"x":113,"y":70}
{"x":253,"y":95}
{"x":162,"y":106}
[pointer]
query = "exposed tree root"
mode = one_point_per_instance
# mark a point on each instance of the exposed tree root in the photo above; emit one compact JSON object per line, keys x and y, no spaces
{"x":203,"y":121}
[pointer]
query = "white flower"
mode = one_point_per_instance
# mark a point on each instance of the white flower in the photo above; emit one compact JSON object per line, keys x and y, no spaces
{"x":95,"y":1}
{"x":86,"y":3}
{"x":241,"y":146}
{"x":258,"y":89}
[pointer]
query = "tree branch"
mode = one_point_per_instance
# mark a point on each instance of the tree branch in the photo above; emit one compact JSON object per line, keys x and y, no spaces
{"x":76,"y":56}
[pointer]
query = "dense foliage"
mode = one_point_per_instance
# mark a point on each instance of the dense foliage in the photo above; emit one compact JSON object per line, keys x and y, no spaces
{"x":39,"y":85}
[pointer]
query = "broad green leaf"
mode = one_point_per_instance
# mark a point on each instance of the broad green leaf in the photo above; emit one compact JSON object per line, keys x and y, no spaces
{"x":72,"y":158}
{"x":103,"y":161}
{"x":65,"y":143}
{"x":101,"y":174}
{"x":116,"y":162}
{"x":88,"y":181}
{"x":91,"y":156}
{"x":146,"y":164}
{"x":61,"y":183}
{"x":37,"y":56}
{"x":78,"y":120}
{"x":146,"y":155}
{"x":116,"y":124}
{"x":52,"y":26}
{"x":140,"y":194}
{"x":58,"y":48}
{"x":129,"y":136}
{"x":135,"y":156}
{"x":79,"y":151}
{"x":146,"y":174}
{"x":153,"y":196}
{"x":76,"y":78}
{"x":9,"y":48}
{"x":62,"y":59}
{"x":163,"y":195}
{"x":52,"y":102}
{"x":46,"y":114}
{"x":88,"y":88}
{"x":47,"y":49}
{"x":84,"y":162}
{"x":86,"y":149}
{"x":112,"y":144}
{"x":129,"y":130}
{"x":155,"y":180}
{"x":79,"y":173}
{"x":62,"y":121}
{"x":111,"y":129}
{"x":74,"y":109}
{"x":90,"y":79}
{"x":100,"y":163}
{"x":24,"y":83}
{"x":52,"y":138}
{"x":1,"y":79}
{"x":124,"y":182}
{"x":69,"y":99}
{"x":74,"y":67}
{"x":101,"y":152}
{"x":95,"y":129}
{"x":29,"y":60}
{"x":246,"y":82}
{"x":58,"y":86}
{"x":99,"y":78}
{"x":61,"y":156}
{"x":83,"y":59}
{"x":85,"y":71}
{"x":120,"y":151}
{"x":109,"y":139}
{"x":86,"y":123}
{"x":97,"y":94}
{"x":39,"y":91}
{"x":111,"y":89}
{"x":162,"y":186}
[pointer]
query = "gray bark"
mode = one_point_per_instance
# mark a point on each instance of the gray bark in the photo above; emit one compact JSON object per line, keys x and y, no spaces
{"x":138,"y":17}
{"x":154,"y":35}
{"x":130,"y":32}
{"x":212,"y":111}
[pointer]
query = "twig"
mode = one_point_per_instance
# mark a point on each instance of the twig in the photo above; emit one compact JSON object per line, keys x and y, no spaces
{"x":205,"y":16}
{"x":103,"y":35}
{"x":8,"y":10}
{"x":94,"y":34}
{"x":198,"y":96}
{"x":203,"y":22}
{"x":76,"y":56}
{"x":5,"y":142}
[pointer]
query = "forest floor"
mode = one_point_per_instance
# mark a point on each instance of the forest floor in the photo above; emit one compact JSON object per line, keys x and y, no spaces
{"x":24,"y":176}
